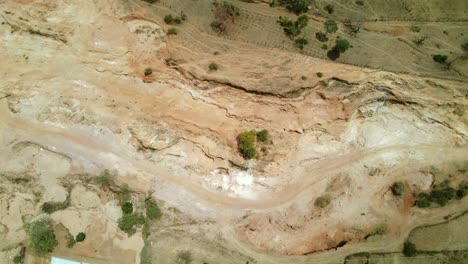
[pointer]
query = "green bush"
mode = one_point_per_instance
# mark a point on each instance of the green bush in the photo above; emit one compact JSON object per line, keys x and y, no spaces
{"x":41,"y":235}
{"x":325,"y":46}
{"x":152,"y":209}
{"x":151,"y":1}
{"x":213,"y":66}
{"x":17,"y":259}
{"x":245,"y":142}
{"x":127,"y":208}
{"x":329,"y":8}
{"x":296,"y":6}
{"x":301,"y":42}
{"x":293,"y":28}
{"x":409,"y":249}
{"x":439,"y":58}
{"x":177,"y":20}
{"x":50,"y":207}
{"x":70,"y":241}
{"x":80,"y":237}
{"x":168,"y":19}
{"x":330,"y":26}
{"x":442,"y":196}
{"x":129,"y":222}
{"x":319,"y":74}
{"x":398,"y":188}
{"x":172,"y":31}
{"x":148,"y":71}
{"x":263,"y":135}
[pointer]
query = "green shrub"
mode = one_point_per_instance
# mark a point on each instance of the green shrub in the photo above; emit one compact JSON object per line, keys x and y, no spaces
{"x":80,"y":237}
{"x":301,"y":42}
{"x":168,"y":19}
{"x":41,"y":235}
{"x":177,"y":20}
{"x":127,"y":208}
{"x":148,"y":71}
{"x":263,"y":135}
{"x":293,"y":28}
{"x":296,"y":6}
{"x":360,"y":2}
{"x":319,"y":74}
{"x":105,"y":179}
{"x":172,"y":31}
{"x":442,"y":196}
{"x":152,"y":209}
{"x":245,"y":142}
{"x":330,"y":26}
{"x":184,"y":257}
{"x":151,"y":1}
{"x":213,"y":66}
{"x":409,"y":249}
{"x":325,"y":46}
{"x":322,"y":202}
{"x":398,"y":188}
{"x":17,"y":259}
{"x":439,"y":58}
{"x":50,"y":207}
{"x":129,"y":222}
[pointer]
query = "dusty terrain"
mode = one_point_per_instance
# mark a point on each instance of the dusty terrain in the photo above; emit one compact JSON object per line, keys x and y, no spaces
{"x":74,"y":101}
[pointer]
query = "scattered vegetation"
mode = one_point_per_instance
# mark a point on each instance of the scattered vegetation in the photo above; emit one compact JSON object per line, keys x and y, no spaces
{"x":213,"y":66}
{"x":378,"y":230}
{"x":184,"y":257}
{"x":325,"y":46}
{"x":319,"y":74}
{"x":409,"y":249}
{"x":152,"y":209}
{"x":296,"y":6}
{"x":322,"y":37}
{"x":329,"y":8}
{"x":441,"y":195}
{"x":341,"y":45}
{"x":80,"y":237}
{"x":245,"y":142}
{"x":330,"y":26}
{"x":19,"y":259}
{"x":41,"y":235}
{"x":148,"y":71}
{"x":50,"y":207}
{"x":293,"y":28}
{"x":224,"y":13}
{"x":439,"y":58}
{"x":172,"y":31}
{"x":123,"y":193}
{"x":398,"y":188}
{"x":174,"y":19}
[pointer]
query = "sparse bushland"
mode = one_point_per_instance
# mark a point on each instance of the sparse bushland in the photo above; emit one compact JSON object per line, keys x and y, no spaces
{"x":296,"y":6}
{"x":224,"y":13}
{"x":398,"y":188}
{"x":409,"y":249}
{"x":80,"y":237}
{"x":184,"y":257}
{"x":41,"y":235}
{"x":439,"y":58}
{"x":172,"y":31}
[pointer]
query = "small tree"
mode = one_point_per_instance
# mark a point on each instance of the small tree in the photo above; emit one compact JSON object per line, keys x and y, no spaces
{"x":330,"y":26}
{"x":263,"y":135}
{"x":296,"y":6}
{"x":80,"y":237}
{"x":127,"y":208}
{"x":168,"y":19}
{"x":341,"y":45}
{"x":172,"y":31}
{"x":245,"y":142}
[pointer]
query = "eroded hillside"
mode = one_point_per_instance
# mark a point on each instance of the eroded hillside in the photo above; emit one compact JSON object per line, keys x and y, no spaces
{"x":355,"y":159}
